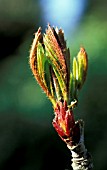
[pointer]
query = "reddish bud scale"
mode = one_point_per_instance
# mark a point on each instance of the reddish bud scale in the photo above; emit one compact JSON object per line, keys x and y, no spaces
{"x":65,"y":125}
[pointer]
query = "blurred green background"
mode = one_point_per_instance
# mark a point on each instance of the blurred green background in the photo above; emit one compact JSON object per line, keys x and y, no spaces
{"x":27,"y":138}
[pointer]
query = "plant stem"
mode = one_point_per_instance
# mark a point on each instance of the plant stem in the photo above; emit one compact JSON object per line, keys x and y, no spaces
{"x":81,"y":158}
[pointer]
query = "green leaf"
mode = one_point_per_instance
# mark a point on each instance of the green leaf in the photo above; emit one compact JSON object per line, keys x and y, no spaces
{"x":75,"y":77}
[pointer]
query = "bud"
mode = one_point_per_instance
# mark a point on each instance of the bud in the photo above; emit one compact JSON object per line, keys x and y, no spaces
{"x":50,"y":64}
{"x":65,"y":125}
{"x":82,"y":66}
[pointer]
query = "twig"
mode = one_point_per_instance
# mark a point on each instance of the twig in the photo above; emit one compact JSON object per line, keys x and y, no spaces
{"x":51,"y":66}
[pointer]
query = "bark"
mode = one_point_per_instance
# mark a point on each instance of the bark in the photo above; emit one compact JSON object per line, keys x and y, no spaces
{"x":81,"y":158}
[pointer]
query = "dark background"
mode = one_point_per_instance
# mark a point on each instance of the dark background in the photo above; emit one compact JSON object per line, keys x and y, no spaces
{"x":27,"y":138}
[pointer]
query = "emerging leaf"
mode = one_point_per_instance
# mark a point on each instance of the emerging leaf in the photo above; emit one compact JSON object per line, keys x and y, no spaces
{"x":50,"y":64}
{"x":83,"y":66}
